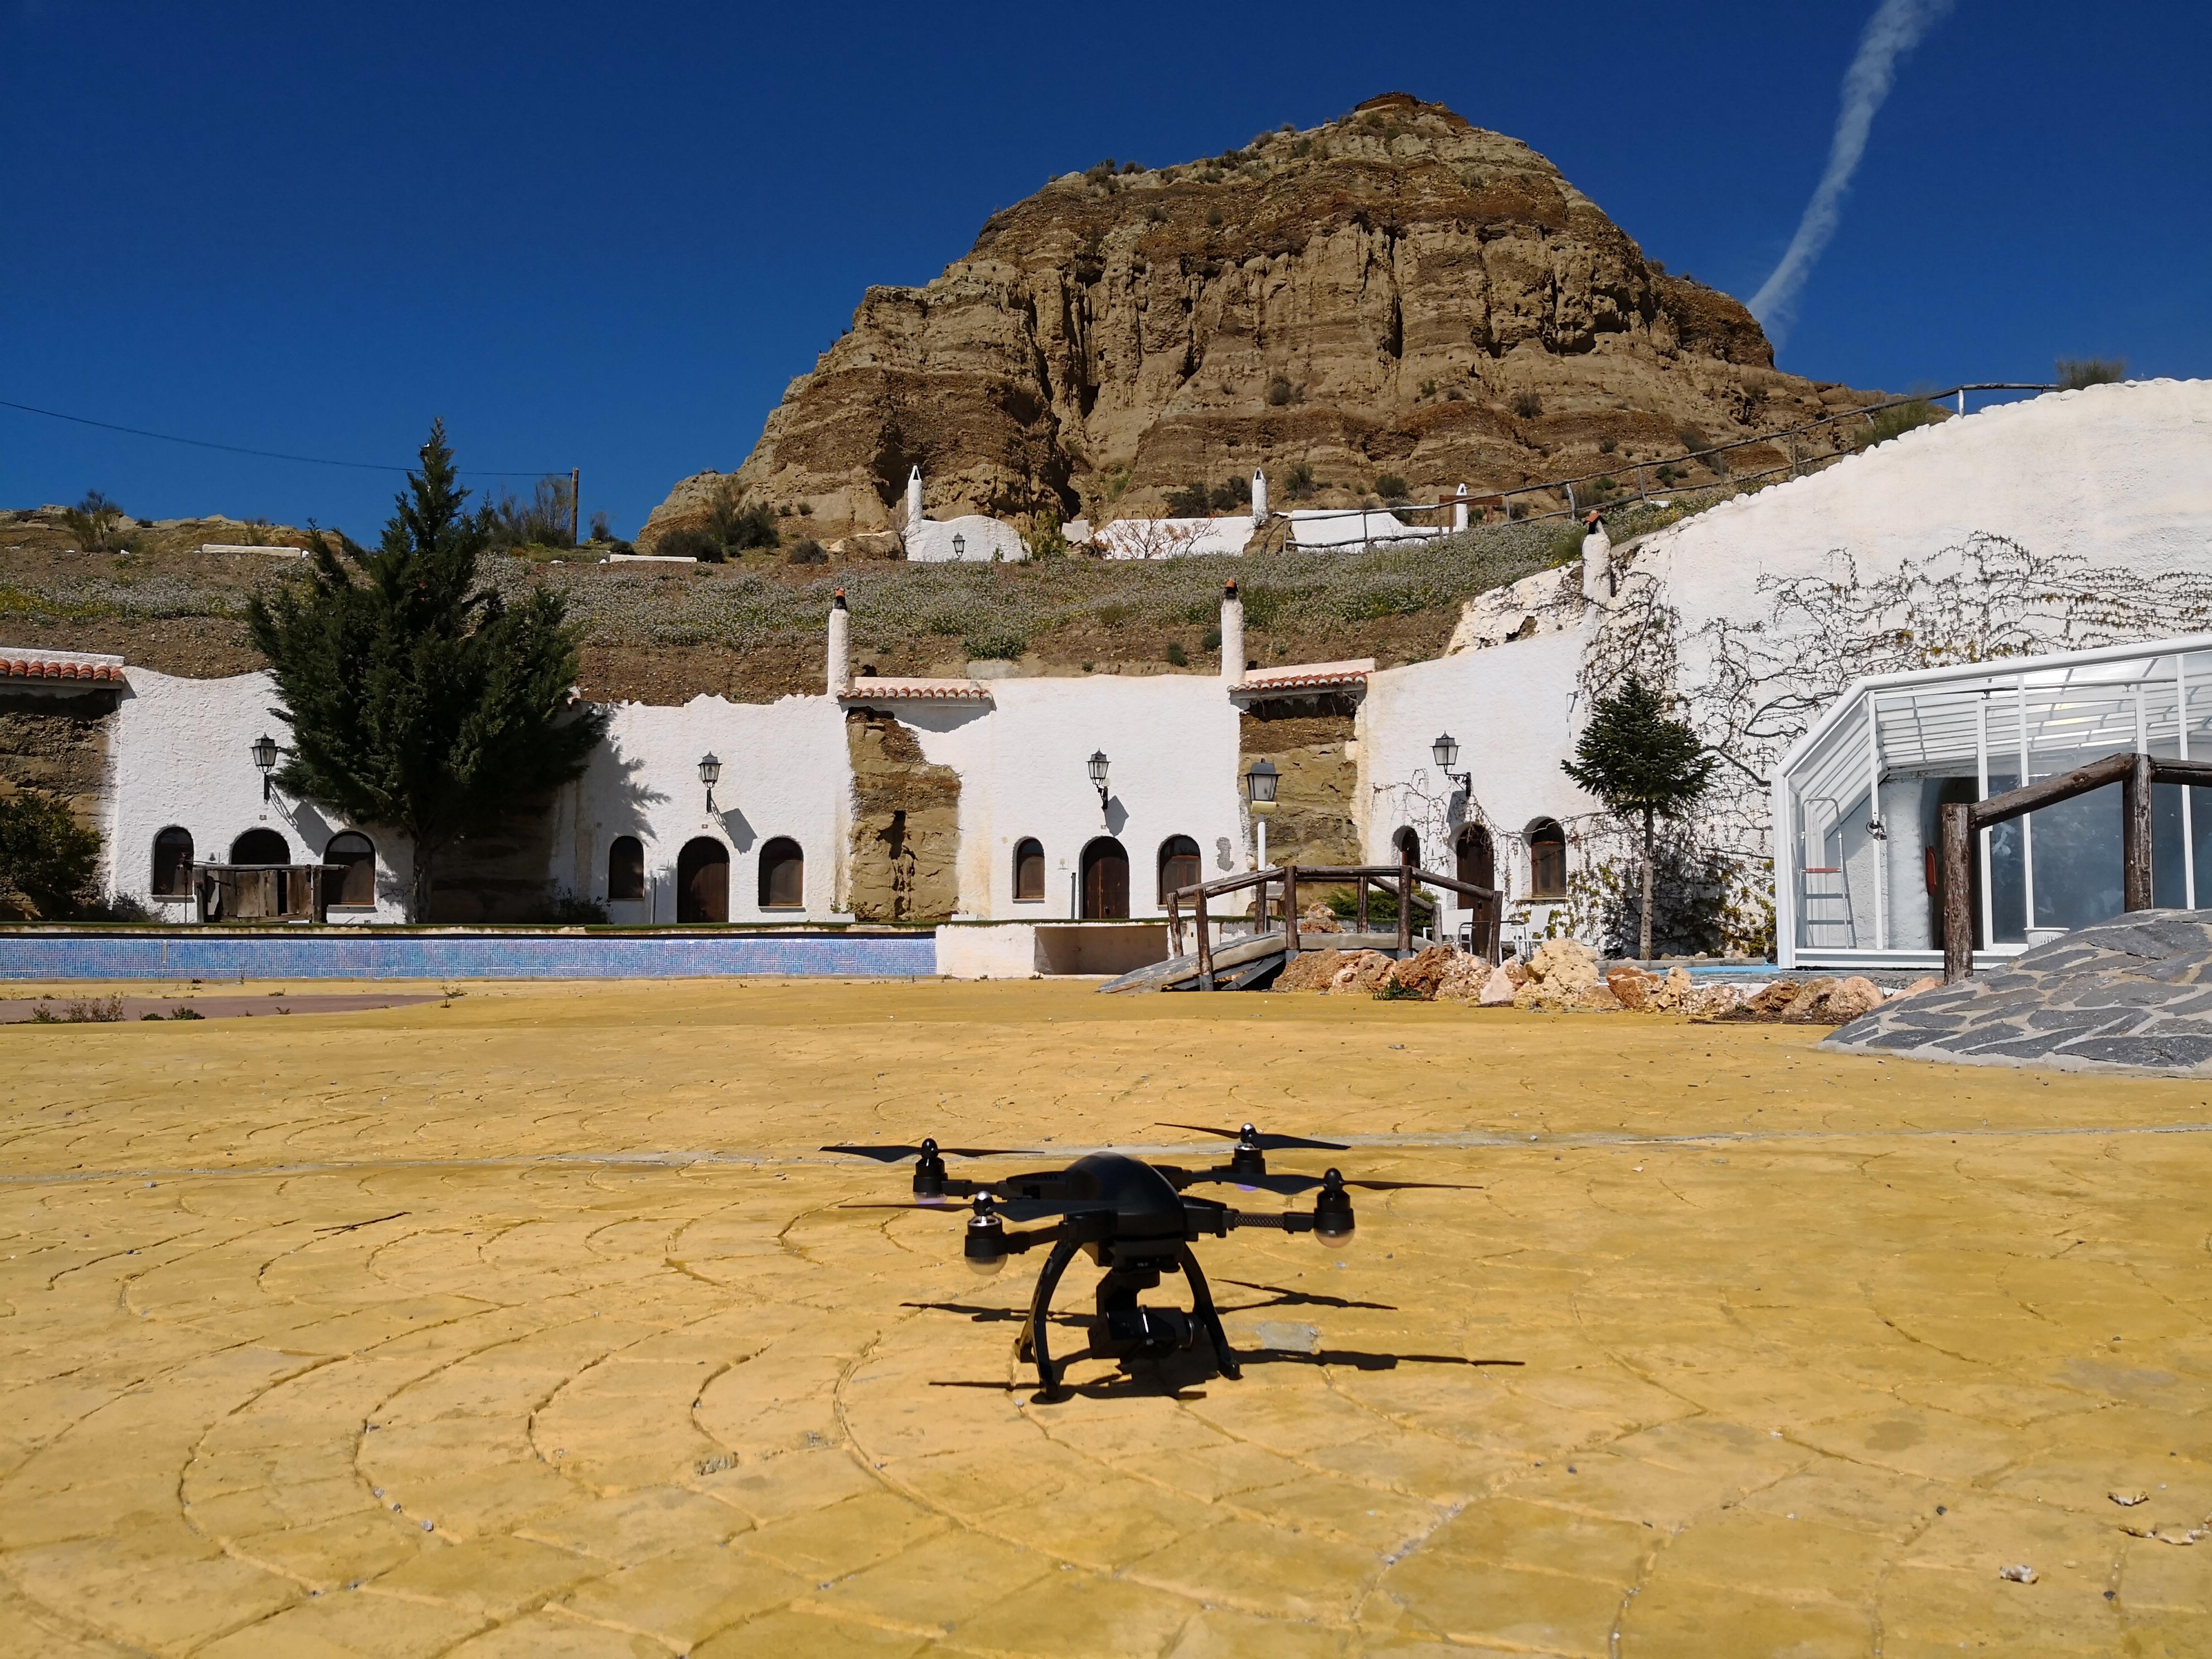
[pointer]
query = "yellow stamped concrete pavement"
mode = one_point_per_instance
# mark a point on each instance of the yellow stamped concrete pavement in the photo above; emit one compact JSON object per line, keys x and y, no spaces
{"x":533,"y":1323}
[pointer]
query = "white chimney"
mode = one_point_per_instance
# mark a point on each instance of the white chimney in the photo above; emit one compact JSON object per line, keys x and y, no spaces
{"x":1232,"y":635}
{"x":1259,"y":498}
{"x":841,"y":647}
{"x":1598,"y":586}
{"x":1459,"y":509}
{"x":914,"y":498}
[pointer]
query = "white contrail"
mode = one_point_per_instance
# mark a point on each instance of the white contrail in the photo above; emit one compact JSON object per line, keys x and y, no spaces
{"x":1893,"y":31}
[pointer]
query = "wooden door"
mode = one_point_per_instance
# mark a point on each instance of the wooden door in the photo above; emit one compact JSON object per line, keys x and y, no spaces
{"x":702,"y":881}
{"x":1105,"y":881}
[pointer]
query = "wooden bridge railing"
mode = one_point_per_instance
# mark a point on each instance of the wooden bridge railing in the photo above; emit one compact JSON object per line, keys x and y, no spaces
{"x":1963,"y":820}
{"x":1401,"y":880}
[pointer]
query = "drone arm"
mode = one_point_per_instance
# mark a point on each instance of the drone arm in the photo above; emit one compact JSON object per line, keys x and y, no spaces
{"x":1289,"y":1221}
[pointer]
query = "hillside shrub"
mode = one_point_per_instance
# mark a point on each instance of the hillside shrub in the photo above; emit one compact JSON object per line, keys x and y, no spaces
{"x":2072,"y":374}
{"x":738,"y":524}
{"x":1528,"y":405}
{"x":690,"y":543}
{"x":1178,"y":657}
{"x":995,"y":646}
{"x":93,"y":522}
{"x":542,"y":521}
{"x":1391,"y":487}
{"x":809,"y":551}
{"x":1278,"y":392}
{"x":1236,"y":493}
{"x":1298,"y":482}
{"x":1896,"y":422}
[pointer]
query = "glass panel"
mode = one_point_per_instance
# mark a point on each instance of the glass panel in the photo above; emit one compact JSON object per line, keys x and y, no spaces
{"x":2077,"y":860}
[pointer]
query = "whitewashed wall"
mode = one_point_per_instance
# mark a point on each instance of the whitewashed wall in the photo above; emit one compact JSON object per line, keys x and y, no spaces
{"x":179,"y":757}
{"x":1170,"y":743}
{"x":1173,"y":539}
{"x":929,"y":541}
{"x":784,"y":773}
{"x":1514,"y":712}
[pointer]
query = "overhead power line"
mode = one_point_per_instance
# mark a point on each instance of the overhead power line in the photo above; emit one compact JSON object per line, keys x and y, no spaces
{"x":271,"y":454}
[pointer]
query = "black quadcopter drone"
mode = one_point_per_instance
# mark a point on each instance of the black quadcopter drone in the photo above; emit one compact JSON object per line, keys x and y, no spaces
{"x":1134,"y":1219}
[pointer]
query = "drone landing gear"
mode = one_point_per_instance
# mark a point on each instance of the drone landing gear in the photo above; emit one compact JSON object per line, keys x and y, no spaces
{"x":1121,"y":1326}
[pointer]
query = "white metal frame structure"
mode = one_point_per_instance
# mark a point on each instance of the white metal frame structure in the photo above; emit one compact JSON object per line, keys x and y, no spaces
{"x":1851,"y":829}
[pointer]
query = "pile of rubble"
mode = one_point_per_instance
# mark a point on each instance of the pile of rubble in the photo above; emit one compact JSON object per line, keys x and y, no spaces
{"x":1564,"y":975}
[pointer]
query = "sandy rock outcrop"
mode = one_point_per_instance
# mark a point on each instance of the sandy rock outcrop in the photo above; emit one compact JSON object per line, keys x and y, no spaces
{"x":1312,"y":971}
{"x":1423,"y":974}
{"x":1825,"y":1001}
{"x":1641,"y":991}
{"x":1395,"y":292}
{"x":1463,"y":980}
{"x":1563,"y":974}
{"x":1318,"y":919}
{"x":1362,"y":974}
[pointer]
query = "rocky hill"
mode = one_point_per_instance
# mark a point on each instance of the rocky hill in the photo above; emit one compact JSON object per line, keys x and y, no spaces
{"x":1396,"y":295}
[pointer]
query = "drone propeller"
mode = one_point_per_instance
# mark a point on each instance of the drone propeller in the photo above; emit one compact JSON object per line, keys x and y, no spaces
{"x":1012,"y":1209}
{"x":929,"y":1148}
{"x":1248,"y":1136}
{"x":1291,"y":1185}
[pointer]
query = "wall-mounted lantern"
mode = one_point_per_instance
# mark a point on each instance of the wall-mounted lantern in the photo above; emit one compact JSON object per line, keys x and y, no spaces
{"x":710,"y":774}
{"x":959,"y":545}
{"x":1260,"y":793}
{"x":1446,"y":750}
{"x":265,"y":757}
{"x":1098,"y":774}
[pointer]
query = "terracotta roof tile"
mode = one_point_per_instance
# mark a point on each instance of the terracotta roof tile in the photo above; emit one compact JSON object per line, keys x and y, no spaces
{"x":869,"y":688}
{"x":21,"y":662}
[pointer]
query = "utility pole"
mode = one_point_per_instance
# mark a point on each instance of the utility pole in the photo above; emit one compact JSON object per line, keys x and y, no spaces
{"x":575,"y":502}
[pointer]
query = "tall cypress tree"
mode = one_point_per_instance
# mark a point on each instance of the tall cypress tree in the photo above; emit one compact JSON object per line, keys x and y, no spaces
{"x":417,"y":697}
{"x":1643,"y":765}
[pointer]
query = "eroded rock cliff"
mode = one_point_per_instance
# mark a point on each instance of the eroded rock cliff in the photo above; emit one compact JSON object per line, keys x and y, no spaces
{"x":1398,"y":293}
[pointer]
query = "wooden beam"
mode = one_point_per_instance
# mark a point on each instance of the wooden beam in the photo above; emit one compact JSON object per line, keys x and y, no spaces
{"x":2198,"y":773}
{"x":1290,"y":912}
{"x":1958,"y":892}
{"x":2135,"y":835}
{"x":1204,"y":945}
{"x":2003,"y":809}
{"x":1405,"y":901}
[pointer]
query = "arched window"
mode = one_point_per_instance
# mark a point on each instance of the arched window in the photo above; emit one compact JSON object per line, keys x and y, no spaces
{"x":625,"y":869}
{"x":1105,"y":881}
{"x":1547,"y":860}
{"x":1407,"y":845}
{"x":702,"y":881}
{"x":260,"y":847}
{"x":782,"y":875}
{"x":172,"y":864}
{"x":357,"y":885}
{"x":1178,"y":866}
{"x":1477,"y":861}
{"x":1029,"y":870}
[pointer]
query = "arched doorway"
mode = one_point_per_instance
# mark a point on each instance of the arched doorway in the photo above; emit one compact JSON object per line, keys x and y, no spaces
{"x":1477,"y":859}
{"x":782,"y":875}
{"x":1178,"y":866}
{"x":702,"y":881}
{"x":260,"y":847}
{"x":1105,"y":881}
{"x":1029,"y":870}
{"x":1407,"y":847}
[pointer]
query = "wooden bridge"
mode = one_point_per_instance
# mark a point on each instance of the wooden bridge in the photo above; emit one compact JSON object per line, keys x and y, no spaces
{"x":1251,"y":962}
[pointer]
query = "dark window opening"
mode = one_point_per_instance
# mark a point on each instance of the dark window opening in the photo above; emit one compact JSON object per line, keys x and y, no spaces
{"x":1179,"y":865}
{"x":172,"y":864}
{"x":1548,"y":860}
{"x":356,"y":883}
{"x":625,"y":869}
{"x":1105,"y":881}
{"x":1477,"y":861}
{"x":782,"y":875}
{"x":1029,"y":870}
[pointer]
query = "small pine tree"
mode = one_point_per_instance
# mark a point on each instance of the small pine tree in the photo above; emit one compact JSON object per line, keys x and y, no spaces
{"x":416,"y":697}
{"x":1644,"y":766}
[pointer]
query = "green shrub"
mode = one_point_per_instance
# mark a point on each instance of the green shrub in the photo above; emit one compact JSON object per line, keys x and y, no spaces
{"x":1215,"y":218}
{"x":46,"y":857}
{"x":1188,"y":502}
{"x":1278,"y":392}
{"x":2072,"y":374}
{"x":1298,"y":482}
{"x":1178,"y":657}
{"x":1528,"y":405}
{"x":92,"y":522}
{"x":1228,"y":497}
{"x":542,"y":521}
{"x":1382,"y":907}
{"x":989,"y":645}
{"x":1391,"y":487}
{"x":809,"y":551}
{"x":688,"y":543}
{"x":1212,"y":641}
{"x":738,"y":524}
{"x":1606,"y":445}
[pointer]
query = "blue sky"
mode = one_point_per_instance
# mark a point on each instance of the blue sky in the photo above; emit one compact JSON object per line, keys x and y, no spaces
{"x":606,"y":237}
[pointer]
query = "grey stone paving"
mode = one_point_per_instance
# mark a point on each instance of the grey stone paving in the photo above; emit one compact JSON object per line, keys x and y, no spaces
{"x":2133,"y":994}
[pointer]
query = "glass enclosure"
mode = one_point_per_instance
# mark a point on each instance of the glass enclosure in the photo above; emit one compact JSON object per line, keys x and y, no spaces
{"x":1858,"y":802}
